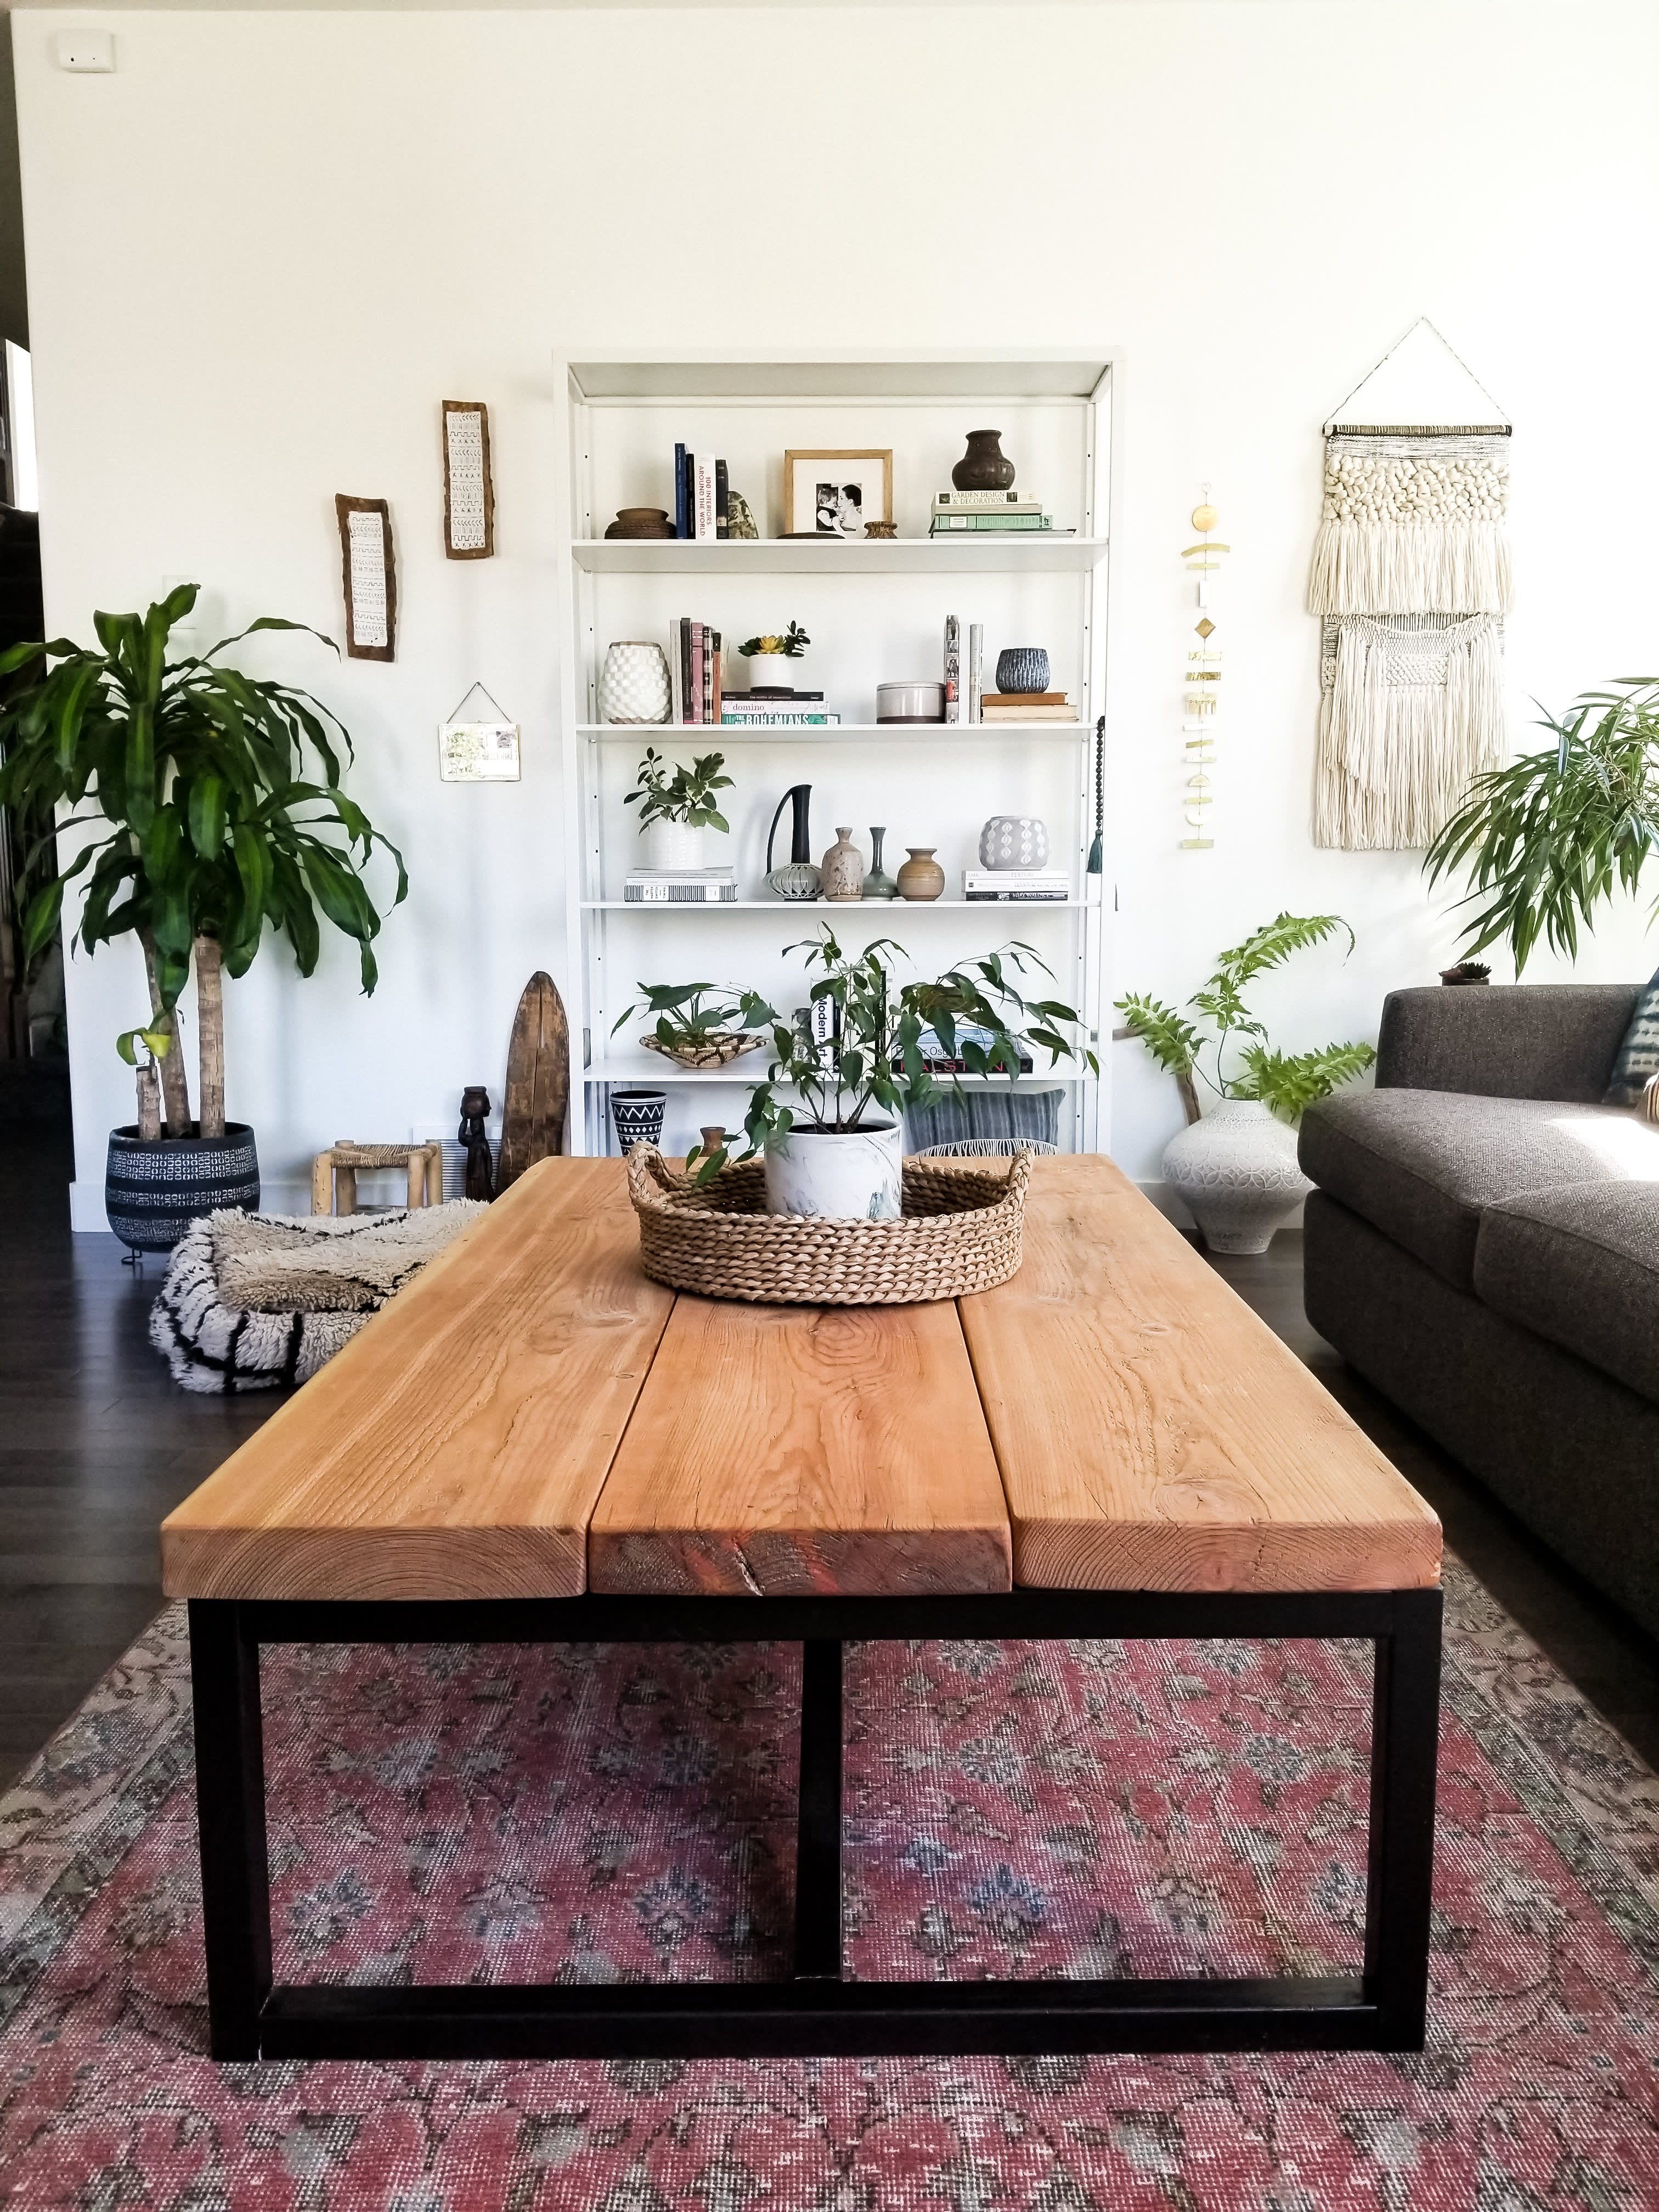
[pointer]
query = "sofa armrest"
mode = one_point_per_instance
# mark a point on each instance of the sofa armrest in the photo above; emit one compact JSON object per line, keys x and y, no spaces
{"x":1505,"y":1040}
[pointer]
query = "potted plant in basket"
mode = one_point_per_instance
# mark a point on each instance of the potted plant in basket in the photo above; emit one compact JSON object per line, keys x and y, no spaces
{"x":677,"y":807}
{"x":853,"y":1058}
{"x":213,"y":828}
{"x":1235,"y":1169}
{"x":771,"y":658}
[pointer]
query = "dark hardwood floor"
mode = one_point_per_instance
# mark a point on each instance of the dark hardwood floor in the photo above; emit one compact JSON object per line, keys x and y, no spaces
{"x":96,"y":1445}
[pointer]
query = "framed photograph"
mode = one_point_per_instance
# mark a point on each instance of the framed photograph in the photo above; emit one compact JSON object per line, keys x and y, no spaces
{"x":834,"y":494}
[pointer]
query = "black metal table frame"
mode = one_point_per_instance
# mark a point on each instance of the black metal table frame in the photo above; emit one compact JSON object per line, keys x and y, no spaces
{"x":816,"y":2014}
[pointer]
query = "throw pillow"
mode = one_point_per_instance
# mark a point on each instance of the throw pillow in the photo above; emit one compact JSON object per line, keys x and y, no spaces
{"x":1638,"y":1055}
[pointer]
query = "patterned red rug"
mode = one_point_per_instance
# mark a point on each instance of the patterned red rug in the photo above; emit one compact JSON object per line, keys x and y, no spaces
{"x":604,"y":1812}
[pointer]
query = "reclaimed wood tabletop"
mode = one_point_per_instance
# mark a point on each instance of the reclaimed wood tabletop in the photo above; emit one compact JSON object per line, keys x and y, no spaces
{"x":532,"y":1417}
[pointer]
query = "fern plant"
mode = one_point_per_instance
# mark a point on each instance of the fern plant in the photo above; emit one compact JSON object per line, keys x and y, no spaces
{"x":1550,"y":836}
{"x":1288,"y":1083}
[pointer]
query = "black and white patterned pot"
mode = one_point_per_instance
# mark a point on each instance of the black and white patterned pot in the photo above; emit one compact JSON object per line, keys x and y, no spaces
{"x":155,"y":1187}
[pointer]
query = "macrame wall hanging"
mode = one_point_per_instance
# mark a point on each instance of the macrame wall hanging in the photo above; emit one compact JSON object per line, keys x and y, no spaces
{"x":1411,"y":580}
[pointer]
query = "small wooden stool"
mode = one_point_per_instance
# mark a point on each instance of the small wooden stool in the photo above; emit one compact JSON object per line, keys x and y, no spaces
{"x":334,"y":1173}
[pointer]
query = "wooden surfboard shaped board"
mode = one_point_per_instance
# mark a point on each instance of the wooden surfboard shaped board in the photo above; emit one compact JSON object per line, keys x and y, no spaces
{"x":537,"y":1081}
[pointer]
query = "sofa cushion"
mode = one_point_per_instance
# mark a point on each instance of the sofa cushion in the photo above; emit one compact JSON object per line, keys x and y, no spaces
{"x":1423,"y":1165}
{"x":1580,"y":1266}
{"x":1638,"y":1061}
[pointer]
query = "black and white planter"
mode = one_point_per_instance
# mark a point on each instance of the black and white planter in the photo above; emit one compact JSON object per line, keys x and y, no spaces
{"x":156,"y":1187}
{"x":837,"y":1175}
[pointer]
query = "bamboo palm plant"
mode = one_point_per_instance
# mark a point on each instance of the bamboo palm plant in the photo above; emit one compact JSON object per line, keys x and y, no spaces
{"x":214,"y":826}
{"x":1546,"y":838}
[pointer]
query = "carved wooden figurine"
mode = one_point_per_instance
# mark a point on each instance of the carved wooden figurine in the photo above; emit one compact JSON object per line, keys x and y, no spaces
{"x":475,"y":1105}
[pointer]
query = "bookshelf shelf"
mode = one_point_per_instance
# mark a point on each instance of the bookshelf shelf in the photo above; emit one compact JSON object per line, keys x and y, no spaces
{"x":875,"y":611}
{"x":1036,"y":552}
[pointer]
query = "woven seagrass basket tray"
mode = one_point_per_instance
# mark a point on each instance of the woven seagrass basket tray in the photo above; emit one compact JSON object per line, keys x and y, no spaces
{"x":960,"y":1231}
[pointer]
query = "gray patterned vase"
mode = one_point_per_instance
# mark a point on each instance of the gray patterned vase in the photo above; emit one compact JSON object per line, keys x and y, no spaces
{"x":1023,"y":668}
{"x":156,"y":1187}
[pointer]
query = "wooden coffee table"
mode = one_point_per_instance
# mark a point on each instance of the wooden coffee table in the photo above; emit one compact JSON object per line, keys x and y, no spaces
{"x":535,"y":1443}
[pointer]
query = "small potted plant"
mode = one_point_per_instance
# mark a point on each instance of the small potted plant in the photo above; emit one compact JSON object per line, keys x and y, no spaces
{"x":770,"y":658}
{"x":689,"y":1032}
{"x":853,"y":1059}
{"x":1235,"y":1169}
{"x":215,"y":824}
{"x":677,"y":806}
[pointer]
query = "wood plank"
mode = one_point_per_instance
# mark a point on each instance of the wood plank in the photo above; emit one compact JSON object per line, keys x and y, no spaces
{"x":1153,"y":1434}
{"x":455,"y":1447}
{"x":804,"y":1448}
{"x":537,"y":1081}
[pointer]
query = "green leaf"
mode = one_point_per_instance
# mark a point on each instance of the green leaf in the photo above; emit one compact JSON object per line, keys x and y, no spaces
{"x":1174,"y":1043}
{"x":207,"y":815}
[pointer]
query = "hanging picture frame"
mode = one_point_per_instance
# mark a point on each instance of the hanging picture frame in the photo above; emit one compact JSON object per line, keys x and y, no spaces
{"x":370,"y":576}
{"x":469,"y":492}
{"x":473,"y":749}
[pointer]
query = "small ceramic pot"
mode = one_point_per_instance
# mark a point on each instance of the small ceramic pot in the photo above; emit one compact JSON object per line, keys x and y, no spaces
{"x":1013,"y":840}
{"x":771,"y":671}
{"x":881,"y":530}
{"x":673,"y":845}
{"x":984,"y":466}
{"x":837,"y":1175}
{"x":1023,"y":668}
{"x":841,"y":871}
{"x":634,"y":683}
{"x":799,"y":880}
{"x":922,"y":876}
{"x":879,"y":884}
{"x":637,"y":1116}
{"x":641,"y":522}
{"x":1235,"y":1172}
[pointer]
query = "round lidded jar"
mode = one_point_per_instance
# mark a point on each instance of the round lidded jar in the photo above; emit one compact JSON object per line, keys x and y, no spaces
{"x":911,"y":702}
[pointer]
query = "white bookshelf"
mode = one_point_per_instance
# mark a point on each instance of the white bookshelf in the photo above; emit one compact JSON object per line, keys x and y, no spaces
{"x":876,"y":612}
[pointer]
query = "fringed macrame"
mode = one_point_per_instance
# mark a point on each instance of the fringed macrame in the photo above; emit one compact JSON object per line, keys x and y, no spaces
{"x":1411,"y":572}
{"x":1412,"y":707}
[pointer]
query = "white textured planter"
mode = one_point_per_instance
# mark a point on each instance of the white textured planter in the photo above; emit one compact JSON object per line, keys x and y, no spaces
{"x":771,"y":671}
{"x":854,"y":1174}
{"x":1235,"y":1171}
{"x":673,"y":845}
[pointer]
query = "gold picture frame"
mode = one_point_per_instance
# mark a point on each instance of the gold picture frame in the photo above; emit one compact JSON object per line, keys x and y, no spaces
{"x":805,"y":510}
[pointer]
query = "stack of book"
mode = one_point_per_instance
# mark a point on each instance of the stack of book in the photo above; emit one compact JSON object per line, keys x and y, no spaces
{"x":938,"y":1061}
{"x":700,"y":495}
{"x":958,"y":512}
{"x":680,"y":887}
{"x":694,"y":672}
{"x":1026,"y":707}
{"x":774,"y":709}
{"x":1016,"y":886}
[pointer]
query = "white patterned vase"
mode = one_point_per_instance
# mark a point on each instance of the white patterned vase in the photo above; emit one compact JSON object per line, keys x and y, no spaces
{"x":837,"y":1175}
{"x":1013,"y":840}
{"x":1235,"y":1172}
{"x":634,"y":683}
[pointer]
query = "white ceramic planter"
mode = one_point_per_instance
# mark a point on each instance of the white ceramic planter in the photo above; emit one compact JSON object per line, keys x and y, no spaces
{"x":1236,"y":1170}
{"x":673,"y":845}
{"x":771,"y":671}
{"x":854,"y":1174}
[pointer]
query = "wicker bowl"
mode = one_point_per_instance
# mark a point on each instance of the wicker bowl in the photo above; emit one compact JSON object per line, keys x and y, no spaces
{"x":960,"y":1231}
{"x":723,"y":1046}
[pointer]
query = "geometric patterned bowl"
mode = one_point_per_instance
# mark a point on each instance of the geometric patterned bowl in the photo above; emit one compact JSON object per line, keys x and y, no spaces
{"x":718,"y":1049}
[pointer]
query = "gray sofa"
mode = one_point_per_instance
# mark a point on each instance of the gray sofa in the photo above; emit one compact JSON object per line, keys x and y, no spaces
{"x":1484,"y":1247}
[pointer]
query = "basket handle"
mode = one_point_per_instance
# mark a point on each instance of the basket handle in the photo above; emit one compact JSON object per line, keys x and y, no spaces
{"x":648,"y":1177}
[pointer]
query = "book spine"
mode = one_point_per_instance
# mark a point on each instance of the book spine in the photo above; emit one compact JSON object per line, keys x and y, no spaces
{"x":722,"y":492}
{"x":704,"y":489}
{"x":734,"y":720}
{"x":685,"y":668}
{"x":679,"y":491}
{"x":972,"y":499}
{"x":697,"y":674}
{"x":680,"y":894}
{"x":1016,"y":898}
{"x":714,"y":713}
{"x":952,"y":670}
{"x":946,"y":525}
{"x":976,"y":669}
{"x":676,"y":682}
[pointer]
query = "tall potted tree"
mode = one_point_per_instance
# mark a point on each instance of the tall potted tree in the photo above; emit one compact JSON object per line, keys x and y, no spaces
{"x":213,"y":827}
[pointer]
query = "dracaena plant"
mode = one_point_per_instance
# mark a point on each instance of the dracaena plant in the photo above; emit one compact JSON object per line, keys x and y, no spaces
{"x":213,"y":823}
{"x":1242,"y":1064}
{"x":872,"y":1056}
{"x":1546,"y":839}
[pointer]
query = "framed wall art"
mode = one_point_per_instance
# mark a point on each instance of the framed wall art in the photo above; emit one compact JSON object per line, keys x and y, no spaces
{"x":370,"y":575}
{"x":834,"y":494}
{"x":469,"y":494}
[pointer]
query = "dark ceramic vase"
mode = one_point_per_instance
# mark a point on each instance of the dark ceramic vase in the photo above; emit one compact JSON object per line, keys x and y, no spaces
{"x":1023,"y":668}
{"x":156,"y":1187}
{"x":984,"y":466}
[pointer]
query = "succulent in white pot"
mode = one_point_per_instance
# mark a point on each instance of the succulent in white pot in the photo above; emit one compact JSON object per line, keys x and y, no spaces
{"x":1234,"y":1167}
{"x":772,"y":657}
{"x":676,"y":810}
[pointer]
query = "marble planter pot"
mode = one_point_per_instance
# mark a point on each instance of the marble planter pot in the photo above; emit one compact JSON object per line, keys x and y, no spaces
{"x":1235,"y":1172}
{"x":837,"y":1175}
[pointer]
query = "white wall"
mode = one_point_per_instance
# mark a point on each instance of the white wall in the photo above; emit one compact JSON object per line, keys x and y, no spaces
{"x":263,"y":251}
